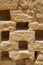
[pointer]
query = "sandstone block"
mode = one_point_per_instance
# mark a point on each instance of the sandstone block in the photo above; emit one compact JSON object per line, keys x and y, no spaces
{"x":36,"y":26}
{"x":19,"y":16}
{"x":8,"y":4}
{"x":36,"y":46}
{"x":21,"y":55}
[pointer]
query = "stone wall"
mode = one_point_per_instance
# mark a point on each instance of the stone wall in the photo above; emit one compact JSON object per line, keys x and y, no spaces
{"x":21,"y":32}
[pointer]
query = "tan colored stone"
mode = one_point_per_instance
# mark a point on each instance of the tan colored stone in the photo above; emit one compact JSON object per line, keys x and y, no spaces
{"x":16,"y":55}
{"x":7,"y":25}
{"x":8,"y":4}
{"x":40,"y":57}
{"x":36,"y":26}
{"x":36,"y":46}
{"x":38,"y":63}
{"x":17,"y":36}
{"x":30,"y":11}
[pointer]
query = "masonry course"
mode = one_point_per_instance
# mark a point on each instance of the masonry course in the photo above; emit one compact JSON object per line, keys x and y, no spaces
{"x":21,"y":32}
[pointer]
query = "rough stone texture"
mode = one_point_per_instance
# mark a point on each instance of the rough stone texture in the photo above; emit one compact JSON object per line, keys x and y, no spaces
{"x":30,"y":11}
{"x":17,"y":36}
{"x":21,"y":55}
{"x":8,"y":4}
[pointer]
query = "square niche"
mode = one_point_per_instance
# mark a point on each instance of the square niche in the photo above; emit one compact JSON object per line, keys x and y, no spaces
{"x":4,"y":35}
{"x":22,"y":26}
{"x":4,"y":15}
{"x":23,"y":45}
{"x":39,"y":35}
{"x":5,"y":55}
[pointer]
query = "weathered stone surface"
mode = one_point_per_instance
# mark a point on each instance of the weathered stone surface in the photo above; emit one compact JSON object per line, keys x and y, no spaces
{"x":16,"y":55}
{"x":40,"y":57}
{"x":30,"y":11}
{"x":8,"y":4}
{"x":19,"y":16}
{"x":17,"y":36}
{"x":36,"y":26}
{"x":7,"y":25}
{"x":38,"y":63}
{"x":36,"y":46}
